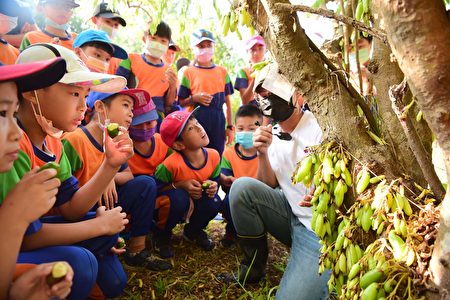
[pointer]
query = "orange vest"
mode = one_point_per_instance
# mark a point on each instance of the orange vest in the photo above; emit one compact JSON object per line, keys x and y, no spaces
{"x":8,"y":53}
{"x":36,"y":37}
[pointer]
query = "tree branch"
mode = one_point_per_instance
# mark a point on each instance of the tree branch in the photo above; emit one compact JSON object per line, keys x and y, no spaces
{"x":344,"y":81}
{"x":340,"y":18}
{"x":397,"y":94}
{"x":139,"y":6}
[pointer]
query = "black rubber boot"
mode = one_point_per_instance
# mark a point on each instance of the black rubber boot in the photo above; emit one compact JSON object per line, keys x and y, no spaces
{"x":253,"y":265}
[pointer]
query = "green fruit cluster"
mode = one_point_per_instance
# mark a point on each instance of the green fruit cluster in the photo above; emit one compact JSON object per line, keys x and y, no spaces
{"x":372,"y":245}
{"x":230,"y":22}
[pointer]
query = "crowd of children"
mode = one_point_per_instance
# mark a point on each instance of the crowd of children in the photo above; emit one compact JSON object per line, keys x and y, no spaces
{"x":60,"y":91}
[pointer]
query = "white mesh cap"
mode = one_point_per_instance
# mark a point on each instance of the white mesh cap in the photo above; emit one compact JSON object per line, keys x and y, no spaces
{"x":274,"y":82}
{"x":77,"y":72}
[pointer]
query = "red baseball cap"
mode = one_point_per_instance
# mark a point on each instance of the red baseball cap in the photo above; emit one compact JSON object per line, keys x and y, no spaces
{"x":254,"y":40}
{"x":34,"y":76}
{"x":173,"y":124}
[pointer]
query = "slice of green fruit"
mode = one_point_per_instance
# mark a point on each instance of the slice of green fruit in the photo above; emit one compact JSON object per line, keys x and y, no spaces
{"x":59,"y":271}
{"x":113,"y":130}
{"x":120,"y":243}
{"x":206,"y":185}
{"x":53,"y":165}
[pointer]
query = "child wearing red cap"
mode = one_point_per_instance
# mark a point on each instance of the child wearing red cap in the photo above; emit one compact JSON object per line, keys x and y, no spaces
{"x":190,"y":176}
{"x":32,"y":197}
{"x":256,"y":49}
{"x":135,"y":194}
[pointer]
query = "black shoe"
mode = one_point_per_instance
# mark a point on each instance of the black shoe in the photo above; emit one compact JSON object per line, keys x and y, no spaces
{"x":228,"y":240}
{"x":201,"y":239}
{"x":253,"y":264}
{"x":144,"y":259}
{"x":163,"y":245}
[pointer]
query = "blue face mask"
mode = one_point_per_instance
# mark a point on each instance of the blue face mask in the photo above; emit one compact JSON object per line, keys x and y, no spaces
{"x":245,"y":139}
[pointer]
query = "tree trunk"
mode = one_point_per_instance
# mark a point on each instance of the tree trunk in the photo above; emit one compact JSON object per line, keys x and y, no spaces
{"x":419,"y":34}
{"x":386,"y":73}
{"x":329,"y":99}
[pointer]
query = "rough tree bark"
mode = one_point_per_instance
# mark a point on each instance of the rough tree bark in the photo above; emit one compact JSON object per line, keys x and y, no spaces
{"x":419,"y":34}
{"x":386,"y":73}
{"x":328,"y":98}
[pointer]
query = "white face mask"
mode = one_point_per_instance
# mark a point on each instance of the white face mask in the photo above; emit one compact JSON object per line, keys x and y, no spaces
{"x":111,"y":31}
{"x":155,"y":49}
{"x":46,"y":125}
{"x":51,"y":23}
{"x":7,"y":24}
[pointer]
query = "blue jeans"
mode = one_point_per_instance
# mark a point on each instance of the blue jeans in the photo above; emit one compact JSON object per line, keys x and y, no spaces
{"x":257,"y":209}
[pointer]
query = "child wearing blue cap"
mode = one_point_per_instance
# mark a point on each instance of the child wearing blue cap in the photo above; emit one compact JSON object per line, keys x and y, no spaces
{"x":96,"y":50}
{"x":208,"y":87}
{"x":135,"y":194}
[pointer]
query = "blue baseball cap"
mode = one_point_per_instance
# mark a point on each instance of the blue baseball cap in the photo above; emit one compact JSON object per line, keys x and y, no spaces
{"x":201,"y":35}
{"x":144,"y":109}
{"x":12,"y":8}
{"x":93,"y":35}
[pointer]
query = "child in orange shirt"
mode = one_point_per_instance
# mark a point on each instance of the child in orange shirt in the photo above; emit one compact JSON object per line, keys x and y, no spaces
{"x":57,"y":16}
{"x":33,"y":196}
{"x":151,"y":73}
{"x":149,"y":152}
{"x":43,"y":115}
{"x":238,"y":161}
{"x":9,"y":12}
{"x":135,"y":194}
{"x":191,"y":176}
{"x":256,"y":49}
{"x":208,"y":87}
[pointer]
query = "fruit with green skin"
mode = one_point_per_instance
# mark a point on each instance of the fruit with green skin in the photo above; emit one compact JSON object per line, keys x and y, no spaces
{"x":120,"y":243}
{"x":370,"y":277}
{"x":53,"y":165}
{"x":206,"y":185}
{"x":113,"y":130}
{"x":59,"y":271}
{"x":363,"y":182}
{"x":371,"y":292}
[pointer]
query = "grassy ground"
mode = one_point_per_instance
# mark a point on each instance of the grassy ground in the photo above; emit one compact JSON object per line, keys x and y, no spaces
{"x":194,"y":273}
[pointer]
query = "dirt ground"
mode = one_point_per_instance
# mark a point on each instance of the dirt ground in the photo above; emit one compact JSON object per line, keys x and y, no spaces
{"x":194,"y":272}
